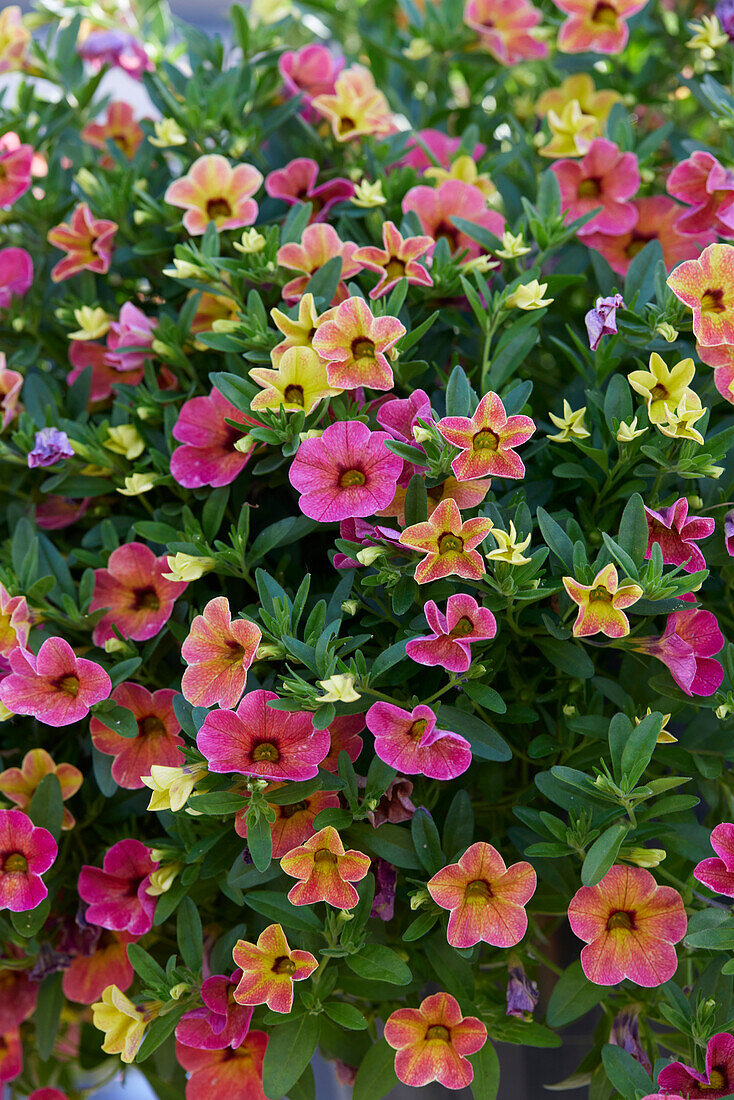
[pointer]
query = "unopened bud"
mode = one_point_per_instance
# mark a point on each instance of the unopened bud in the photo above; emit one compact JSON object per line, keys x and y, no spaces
{"x":349,"y":607}
{"x":370,"y":554}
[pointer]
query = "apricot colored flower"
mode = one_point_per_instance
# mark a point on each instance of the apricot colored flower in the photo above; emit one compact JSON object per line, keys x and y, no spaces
{"x":209,"y":455}
{"x":721,"y":358}
{"x":688,"y":646}
{"x":594,"y":26}
{"x":214,"y":191}
{"x":293,"y":822}
{"x":220,"y":1021}
{"x":218,"y":651}
{"x":601,"y":604}
{"x":136,"y":598}
{"x":105,"y":963}
{"x":298,"y":182}
{"x":344,"y":732}
{"x":236,"y":1073}
{"x":15,"y":173}
{"x":676,"y":533}
{"x":487,"y":440}
{"x":448,"y":543}
{"x":55,"y":686}
{"x":258,"y":740}
{"x":122,"y":1022}
{"x":356,"y":346}
{"x":717,"y":872}
{"x":87,"y":242}
{"x":326,"y":872}
{"x":715,"y":1082}
{"x":449,"y":644}
{"x":433,"y":1041}
{"x":11,"y":383}
{"x":297,"y":385}
{"x":662,"y":387}
{"x":20,"y":784}
{"x":605,"y":177}
{"x":117,"y":894}
{"x":16,"y":275}
{"x":436,"y":208}
{"x":396,"y":260}
{"x":269,"y":969}
{"x":26,"y":852}
{"x":15,"y":39}
{"x":706,"y":286}
{"x":703,"y":184}
{"x":157,"y":742}
{"x":411,"y":742}
{"x":466,"y":494}
{"x":629,"y":924}
{"x":119,"y":127}
{"x":319,"y":244}
{"x":505,"y":29}
{"x":487,"y":899}
{"x":15,"y":622}
{"x":657,"y":217}
{"x":356,"y":107}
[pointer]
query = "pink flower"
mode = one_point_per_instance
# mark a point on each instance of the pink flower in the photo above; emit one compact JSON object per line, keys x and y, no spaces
{"x":214,"y":191}
{"x":15,"y":173}
{"x":26,"y":852}
{"x":208,"y":455}
{"x":675,"y":532}
{"x":103,"y":963}
{"x":435,"y":207}
{"x":433,"y":1041}
{"x":56,"y":686}
{"x":218,"y":652}
{"x":450,"y":643}
{"x":309,"y":72}
{"x":715,"y":1082}
{"x":729,"y":532}
{"x":132,"y":330}
{"x":718,"y":873}
{"x":487,"y":440}
{"x":136,"y":597}
{"x":11,"y":1049}
{"x":54,"y":513}
{"x":346,"y":472}
{"x":396,"y":260}
{"x":18,"y":998}
{"x":605,"y":177}
{"x":657,"y":221}
{"x":721,"y":358}
{"x":116,"y":48}
{"x":16,"y":274}
{"x":117,"y":895}
{"x":687,"y":646}
{"x":84,"y":354}
{"x":704,"y":185}
{"x":236,"y":1074}
{"x":11,"y":383}
{"x":319,"y":244}
{"x":410,"y":742}
{"x":344,"y":732}
{"x":220,"y":1022}
{"x":158,"y":740}
{"x":258,"y":740}
{"x":505,"y":29}
{"x":356,"y":346}
{"x":48,"y":1094}
{"x":602,"y":319}
{"x":87,"y":242}
{"x":442,"y":148}
{"x":591,"y":25}
{"x":297,"y":183}
{"x":293,"y":823}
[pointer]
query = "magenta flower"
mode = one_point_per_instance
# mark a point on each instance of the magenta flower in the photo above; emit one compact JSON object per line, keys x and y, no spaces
{"x":729,"y":532}
{"x":705,"y":186}
{"x":443,"y":150}
{"x":309,"y":72}
{"x":157,"y":742}
{"x":135,"y":595}
{"x":54,"y":512}
{"x":16,"y":274}
{"x":345,"y":473}
{"x":715,"y":1082}
{"x":258,"y":740}
{"x":687,"y":646}
{"x":717,"y":872}
{"x":399,"y":415}
{"x":50,"y":447}
{"x":15,"y":173}
{"x":450,"y":643}
{"x":436,"y":206}
{"x":85,"y":354}
{"x":675,"y":532}
{"x":220,"y":1022}
{"x":117,"y":895}
{"x":118,"y":49}
{"x":297,"y":182}
{"x":396,"y":260}
{"x":56,"y":686}
{"x":410,"y":742}
{"x":602,"y":319}
{"x":26,"y":852}
{"x":132,"y":330}
{"x":604,"y":177}
{"x":208,"y":455}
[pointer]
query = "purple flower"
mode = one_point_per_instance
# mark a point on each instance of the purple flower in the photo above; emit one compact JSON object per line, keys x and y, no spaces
{"x":49,"y":962}
{"x":386,"y":876}
{"x":725,"y":14}
{"x":522,"y":993}
{"x":625,"y":1033}
{"x":729,"y":530}
{"x":117,"y":48}
{"x":50,"y":447}
{"x":602,"y":319}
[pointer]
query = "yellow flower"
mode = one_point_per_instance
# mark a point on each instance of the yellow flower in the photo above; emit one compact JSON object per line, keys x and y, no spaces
{"x":183,"y":269}
{"x":171,"y":787}
{"x":339,"y":689}
{"x":664,"y":737}
{"x":572,"y":132}
{"x":122,"y":1022}
{"x":482,"y":264}
{"x":464,"y":169}
{"x":571,"y":424}
{"x":509,"y":548}
{"x":708,"y":37}
{"x":136,"y":484}
{"x":297,"y":385}
{"x":94,"y":323}
{"x":115,"y":645}
{"x":660,"y":386}
{"x":244,"y":444}
{"x":528,"y":296}
{"x":125,"y":440}
{"x":5,"y":713}
{"x":163,"y":879}
{"x":667,"y":332}
{"x":299,"y":332}
{"x":167,"y":133}
{"x":417,"y":49}
{"x":679,"y":422}
{"x":269,"y":11}
{"x":627,"y":432}
{"x":187,"y":567}
{"x":251,"y":241}
{"x":512,"y":246}
{"x":368,"y":194}
{"x":579,"y":87}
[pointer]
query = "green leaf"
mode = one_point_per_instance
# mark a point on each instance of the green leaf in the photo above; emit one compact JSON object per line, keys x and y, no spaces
{"x":102,"y":768}
{"x":385,"y":660}
{"x":624,"y":1072}
{"x":259,"y":841}
{"x":640,"y":277}
{"x":288,"y":530}
{"x":213,"y":511}
{"x":378,"y":963}
{"x":640,"y":746}
{"x":486,"y":743}
{"x":570,"y":657}
{"x":120,"y":720}
{"x":290,"y":1049}
{"x":486,"y":696}
{"x":218,"y":802}
{"x":486,"y":1083}
{"x":603,"y":852}
{"x":458,"y":393}
{"x":390,"y":842}
{"x":346,"y":1015}
{"x":325,"y":280}
{"x":572,"y":997}
{"x":145,"y":966}
{"x":47,"y":1015}
{"x":420,"y":926}
{"x":416,"y":501}
{"x":305,"y":1086}
{"x":276,"y":907}
{"x":426,"y":840}
{"x":47,"y":805}
{"x":556,"y":538}
{"x":376,"y":1074}
{"x":458,"y":830}
{"x":26,"y":924}
{"x":158,"y":1032}
{"x":633,"y":528}
{"x":189,"y":934}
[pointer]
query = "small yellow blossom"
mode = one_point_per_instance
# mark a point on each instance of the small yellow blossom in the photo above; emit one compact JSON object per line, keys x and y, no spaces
{"x":572,"y":132}
{"x":136,"y":484}
{"x":187,"y":567}
{"x":679,"y":422}
{"x":125,"y":440}
{"x":417,"y":49}
{"x":370,"y":554}
{"x":664,"y":737}
{"x":627,"y":432}
{"x":251,"y":242}
{"x":667,"y":332}
{"x":368,"y":194}
{"x":571,"y":424}
{"x":513,"y":245}
{"x":339,"y":688}
{"x":708,"y":37}
{"x":722,"y":712}
{"x":267,"y":651}
{"x":245,"y":444}
{"x":93,"y":321}
{"x":482,"y":264}
{"x":661,"y":386}
{"x":528,"y":296}
{"x":171,"y":787}
{"x":349,"y":607}
{"x":509,"y":548}
{"x":463,"y":168}
{"x":177,"y":991}
{"x":298,"y":385}
{"x":163,"y":879}
{"x":115,"y":645}
{"x":421,"y":434}
{"x":644,"y":857}
{"x":184,"y":269}
{"x":580,"y":87}
{"x":122,"y":1022}
{"x":167,"y":133}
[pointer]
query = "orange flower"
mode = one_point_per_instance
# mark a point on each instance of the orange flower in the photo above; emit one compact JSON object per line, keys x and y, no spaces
{"x":269,"y":969}
{"x":448,"y":543}
{"x":433,"y":1041}
{"x":325,"y":870}
{"x":86,"y":240}
{"x":119,"y":127}
{"x":706,"y":285}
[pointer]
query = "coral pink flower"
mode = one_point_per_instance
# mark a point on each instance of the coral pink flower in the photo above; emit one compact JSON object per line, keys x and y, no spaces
{"x":208,"y":455}
{"x":54,"y":512}
{"x":410,"y":742}
{"x":433,"y":1041}
{"x":675,"y":532}
{"x":136,"y":597}
{"x":656,"y":221}
{"x":56,"y":686}
{"x":435,"y":208}
{"x":218,"y":651}
{"x":717,"y":872}
{"x":214,"y":191}
{"x":11,"y":1056}
{"x":591,"y":25}
{"x":344,"y":732}
{"x":269,"y":969}
{"x":10,"y":141}
{"x":326,"y":872}
{"x":356,"y":346}
{"x":107,"y":964}
{"x":119,"y":127}
{"x":258,"y":740}
{"x":487,"y":899}
{"x":14,"y":39}
{"x":293,"y":823}
{"x":16,"y":274}
{"x":158,"y":740}
{"x":704,"y":185}
{"x":487,"y":440}
{"x":721,"y":358}
{"x":687,"y":646}
{"x":449,"y":645}
{"x":396,"y":260}
{"x":236,"y":1074}
{"x":605,"y":177}
{"x":87,"y":242}
{"x":18,"y":998}
{"x":15,"y":622}
{"x":11,"y":383}
{"x":20,"y":784}
{"x":84,"y":354}
{"x":448,"y":543}
{"x":505,"y":28}
{"x":706,"y":286}
{"x":717,"y":1081}
{"x":309,"y":72}
{"x":344,"y":473}
{"x":319,"y":244}
{"x":132,"y":330}
{"x":117,"y":895}
{"x":629,"y":924}
{"x":220,"y":1022}
{"x":297,"y":182}
{"x":15,"y":173}
{"x":26,"y":852}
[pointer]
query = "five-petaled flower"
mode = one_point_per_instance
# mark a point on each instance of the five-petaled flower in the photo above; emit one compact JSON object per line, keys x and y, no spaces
{"x":506,"y":29}
{"x":676,"y":533}
{"x":132,"y":591}
{"x":688,"y":645}
{"x":297,"y":385}
{"x":218,"y":651}
{"x":269,"y":968}
{"x":117,"y":893}
{"x":221,"y":1021}
{"x":356,"y":346}
{"x":602,"y":603}
{"x":433,"y":1041}
{"x":209,"y":454}
{"x":87,"y":242}
{"x":487,"y":441}
{"x":214,"y":192}
{"x":448,"y":543}
{"x":396,"y":260}
{"x":20,"y":784}
{"x":122,"y":1022}
{"x":26,"y":852}
{"x":449,"y":644}
{"x":661,"y":387}
{"x":717,"y":872}
{"x":412,"y":743}
{"x":706,"y":286}
{"x":325,"y":871}
{"x":598,"y":25}
{"x":55,"y":686}
{"x":715,"y":1082}
{"x":157,"y":741}
{"x":605,"y":177}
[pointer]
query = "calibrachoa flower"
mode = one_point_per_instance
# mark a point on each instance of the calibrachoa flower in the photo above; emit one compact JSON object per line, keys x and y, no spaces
{"x":157,"y":742}
{"x":87,"y":242}
{"x":715,"y":1082}
{"x":717,"y":872}
{"x":571,"y":132}
{"x":346,"y":472}
{"x":258,"y":740}
{"x":436,"y":207}
{"x":221,"y":1021}
{"x":297,"y":182}
{"x":706,"y":286}
{"x":136,"y":598}
{"x":605,"y":177}
{"x":14,"y":39}
{"x":15,"y":622}
{"x":268,"y":970}
{"x":214,"y":191}
{"x":356,"y":107}
{"x":89,"y":974}
{"x":20,"y":784}
{"x":449,"y":645}
{"x":687,"y":646}
{"x":396,"y":260}
{"x":707,"y":187}
{"x":625,"y":1033}
{"x":26,"y":852}
{"x":234,"y":1073}
{"x":596,"y":26}
{"x":11,"y":383}
{"x":571,"y":424}
{"x":218,"y":651}
{"x":11,"y":1054}
{"x":411,"y":742}
{"x":50,"y":447}
{"x":629,"y":924}
{"x":171,"y":787}
{"x":309,"y":72}
{"x":356,"y":346}
{"x":132,"y":330}
{"x":18,"y":998}
{"x":15,"y":173}
{"x":344,"y":732}
{"x":721,"y":358}
{"x":522,"y":994}
{"x":299,"y":331}
{"x":433,"y":1041}
{"x":122,"y":1022}
{"x":602,"y":319}
{"x":119,"y":127}
{"x":505,"y":29}
{"x":487,"y":899}
{"x":297,"y":385}
{"x":16,"y":274}
{"x":657,"y":217}
{"x":55,"y":686}
{"x":662,"y":387}
{"x":117,"y":894}
{"x":602,"y":604}
{"x":293,"y":822}
{"x":448,"y":543}
{"x":319,"y":244}
{"x":579,"y":86}
{"x":209,"y":455}
{"x":116,"y":48}
{"x":675,"y":532}
{"x":429,"y":148}
{"x":487,"y":441}
{"x":325,"y":870}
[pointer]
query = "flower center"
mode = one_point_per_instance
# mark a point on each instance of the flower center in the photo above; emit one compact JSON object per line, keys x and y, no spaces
{"x":620,"y":918}
{"x":351,"y":478}
{"x":150,"y":726}
{"x":294,"y":395}
{"x":266,"y":750}
{"x":218,"y":208}
{"x":450,"y":544}
{"x":394,"y":268}
{"x":284,"y":965}
{"x":235,"y":653}
{"x":438,"y":1033}
{"x":605,"y":14}
{"x":15,"y":864}
{"x":325,"y":856}
{"x":486,"y":440}
{"x":712,"y":301}
{"x":717,"y":1079}
{"x":463,"y":627}
{"x":346,"y":124}
{"x":417,"y":729}
{"x":478,"y":889}
{"x":146,"y":599}
{"x":68,"y":684}
{"x":636,"y":245}
{"x":589,"y":189}
{"x":600,"y":594}
{"x":293,"y":809}
{"x":448,"y":233}
{"x":363,"y":348}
